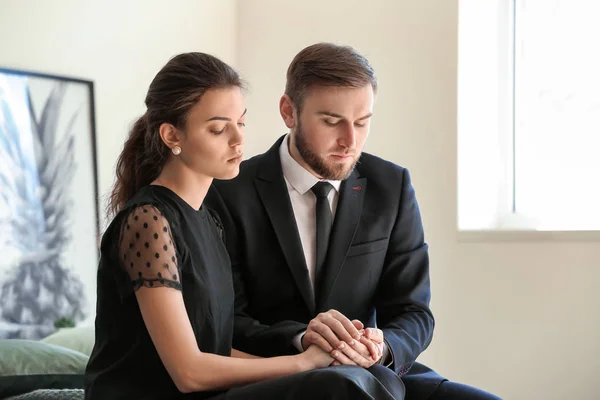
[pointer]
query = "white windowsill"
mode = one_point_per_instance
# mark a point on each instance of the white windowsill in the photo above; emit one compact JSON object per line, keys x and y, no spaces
{"x":480,"y":236}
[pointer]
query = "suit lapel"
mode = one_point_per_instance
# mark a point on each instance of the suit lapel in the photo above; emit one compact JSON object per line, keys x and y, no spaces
{"x":272,"y":189}
{"x":347,"y":216}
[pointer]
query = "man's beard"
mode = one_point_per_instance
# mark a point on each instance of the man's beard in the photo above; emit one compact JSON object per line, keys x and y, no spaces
{"x":329,"y":171}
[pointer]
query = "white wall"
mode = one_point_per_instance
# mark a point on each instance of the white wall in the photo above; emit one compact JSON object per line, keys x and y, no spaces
{"x":518,"y":319}
{"x":120,"y":45}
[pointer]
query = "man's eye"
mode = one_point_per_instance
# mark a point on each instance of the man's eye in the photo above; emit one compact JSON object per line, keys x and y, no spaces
{"x":330,"y":123}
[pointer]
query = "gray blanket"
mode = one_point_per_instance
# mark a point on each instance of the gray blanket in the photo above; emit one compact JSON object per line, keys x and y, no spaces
{"x":51,"y":394}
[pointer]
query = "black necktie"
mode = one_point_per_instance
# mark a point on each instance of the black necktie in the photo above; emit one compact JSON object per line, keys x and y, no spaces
{"x":324,"y":222}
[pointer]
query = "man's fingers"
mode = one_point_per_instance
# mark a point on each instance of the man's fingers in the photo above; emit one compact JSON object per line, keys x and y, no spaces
{"x":372,"y":347}
{"x":340,"y":357}
{"x":340,"y":329}
{"x":346,"y":323}
{"x":313,"y":337}
{"x":349,"y":327}
{"x":336,"y":329}
{"x":356,"y":357}
{"x":361,"y":349}
{"x":357,"y":324}
{"x":324,"y":330}
{"x":375,"y":334}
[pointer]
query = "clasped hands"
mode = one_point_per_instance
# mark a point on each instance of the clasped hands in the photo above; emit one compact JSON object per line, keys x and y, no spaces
{"x":346,"y":341}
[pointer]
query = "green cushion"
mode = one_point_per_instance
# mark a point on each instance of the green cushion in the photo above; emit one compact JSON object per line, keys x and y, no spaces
{"x":27,"y":365}
{"x":80,"y":338}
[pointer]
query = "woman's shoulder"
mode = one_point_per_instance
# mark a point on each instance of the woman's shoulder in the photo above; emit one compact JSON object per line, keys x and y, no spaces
{"x":150,"y":201}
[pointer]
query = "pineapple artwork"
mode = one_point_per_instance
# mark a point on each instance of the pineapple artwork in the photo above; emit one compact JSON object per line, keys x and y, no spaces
{"x":44,"y":277}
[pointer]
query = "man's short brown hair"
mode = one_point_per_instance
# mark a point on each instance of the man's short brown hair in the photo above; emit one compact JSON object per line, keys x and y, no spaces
{"x":327,"y":64}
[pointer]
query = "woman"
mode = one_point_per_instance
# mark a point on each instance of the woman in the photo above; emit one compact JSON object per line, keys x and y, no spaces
{"x":165,"y":295}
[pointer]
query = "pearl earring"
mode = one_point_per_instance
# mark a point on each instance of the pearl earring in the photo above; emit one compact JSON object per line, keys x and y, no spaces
{"x":176,"y":150}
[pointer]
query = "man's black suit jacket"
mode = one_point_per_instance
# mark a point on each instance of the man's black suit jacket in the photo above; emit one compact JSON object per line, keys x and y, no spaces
{"x":376,"y":271}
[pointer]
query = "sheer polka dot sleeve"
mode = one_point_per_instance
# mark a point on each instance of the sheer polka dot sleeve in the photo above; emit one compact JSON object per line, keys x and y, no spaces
{"x":147,"y":250}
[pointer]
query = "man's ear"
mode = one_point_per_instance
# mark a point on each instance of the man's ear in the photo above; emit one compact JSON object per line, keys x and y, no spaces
{"x":286,"y":109}
{"x":170,"y":135}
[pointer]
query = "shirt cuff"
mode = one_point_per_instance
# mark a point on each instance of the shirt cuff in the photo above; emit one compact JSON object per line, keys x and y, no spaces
{"x":297,"y":341}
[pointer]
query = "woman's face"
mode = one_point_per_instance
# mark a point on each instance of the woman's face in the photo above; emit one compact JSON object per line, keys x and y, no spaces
{"x":214,"y":134}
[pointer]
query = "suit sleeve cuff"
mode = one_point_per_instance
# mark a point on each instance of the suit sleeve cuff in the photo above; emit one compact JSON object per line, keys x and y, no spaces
{"x":297,"y":341}
{"x":387,"y":357}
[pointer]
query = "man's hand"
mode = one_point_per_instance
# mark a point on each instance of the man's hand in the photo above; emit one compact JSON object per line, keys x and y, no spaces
{"x":329,"y":330}
{"x":360,"y":354}
{"x":345,"y":340}
{"x":367,"y":352}
{"x":376,"y":336}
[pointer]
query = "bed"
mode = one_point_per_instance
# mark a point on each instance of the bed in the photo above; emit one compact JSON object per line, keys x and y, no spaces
{"x":51,"y":368}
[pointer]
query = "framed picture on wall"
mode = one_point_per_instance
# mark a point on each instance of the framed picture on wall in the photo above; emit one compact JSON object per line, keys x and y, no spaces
{"x":49,"y":217}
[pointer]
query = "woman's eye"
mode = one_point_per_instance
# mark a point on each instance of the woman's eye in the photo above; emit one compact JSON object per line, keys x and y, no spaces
{"x":360,"y":125}
{"x":241,"y":124}
{"x":215,"y":132}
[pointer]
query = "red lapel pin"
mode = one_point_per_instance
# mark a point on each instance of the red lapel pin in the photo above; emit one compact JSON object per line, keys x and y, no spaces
{"x":356,"y":187}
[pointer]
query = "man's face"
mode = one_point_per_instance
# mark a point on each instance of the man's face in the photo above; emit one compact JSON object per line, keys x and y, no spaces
{"x":331,"y":129}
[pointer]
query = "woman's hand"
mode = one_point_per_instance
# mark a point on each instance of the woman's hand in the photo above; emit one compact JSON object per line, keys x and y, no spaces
{"x":314,"y":358}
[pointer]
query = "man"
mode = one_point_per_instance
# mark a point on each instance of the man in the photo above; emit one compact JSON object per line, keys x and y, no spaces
{"x":326,"y":240}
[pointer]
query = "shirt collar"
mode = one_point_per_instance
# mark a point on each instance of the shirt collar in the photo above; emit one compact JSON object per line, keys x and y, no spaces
{"x":300,"y":179}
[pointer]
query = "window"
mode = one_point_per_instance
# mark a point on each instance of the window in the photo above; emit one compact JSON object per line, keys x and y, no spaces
{"x":529,"y":115}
